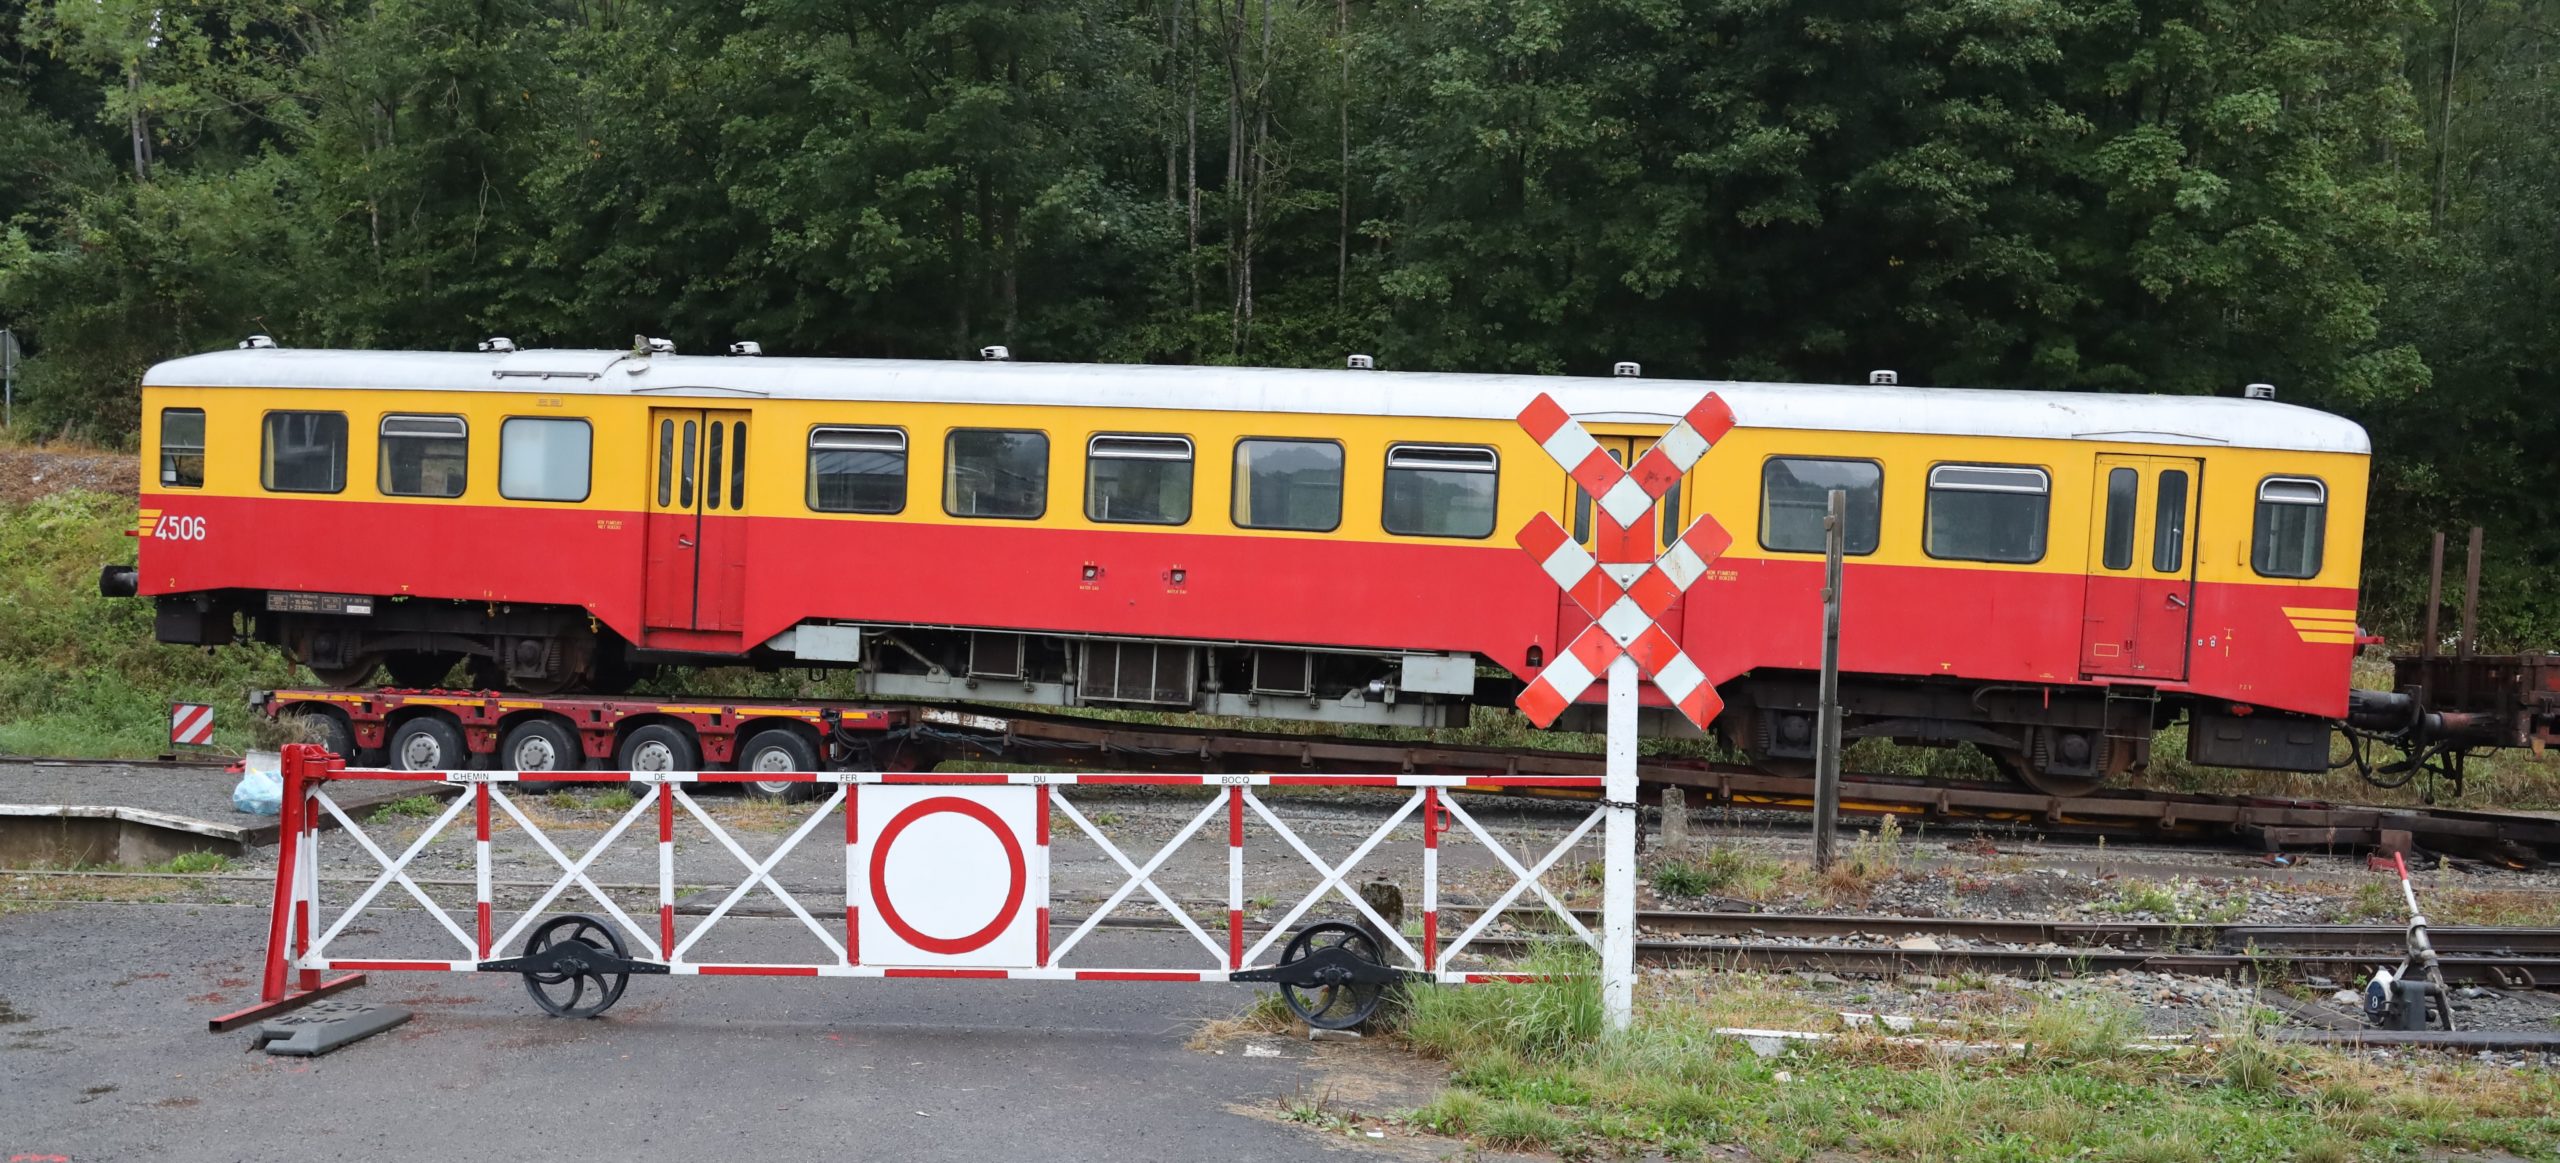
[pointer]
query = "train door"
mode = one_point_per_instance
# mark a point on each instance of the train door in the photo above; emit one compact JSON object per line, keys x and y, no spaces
{"x":697,"y":520}
{"x":1667,"y":524}
{"x":2142,"y":568}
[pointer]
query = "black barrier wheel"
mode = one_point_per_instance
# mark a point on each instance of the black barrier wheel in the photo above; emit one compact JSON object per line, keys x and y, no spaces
{"x":1341,"y":1003}
{"x":574,"y":988}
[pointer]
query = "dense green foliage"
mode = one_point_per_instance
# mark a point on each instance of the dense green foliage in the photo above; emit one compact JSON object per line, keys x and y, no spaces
{"x":2348,"y":198}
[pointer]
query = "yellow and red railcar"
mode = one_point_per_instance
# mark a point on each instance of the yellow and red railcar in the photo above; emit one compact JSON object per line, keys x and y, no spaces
{"x":2048,"y":576}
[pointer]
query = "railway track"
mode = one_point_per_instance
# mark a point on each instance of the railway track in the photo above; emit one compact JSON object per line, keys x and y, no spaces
{"x":2266,"y":823}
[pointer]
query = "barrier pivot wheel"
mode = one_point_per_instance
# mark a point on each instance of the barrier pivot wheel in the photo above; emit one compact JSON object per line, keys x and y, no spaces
{"x":576,"y":985}
{"x":1339,"y":1001}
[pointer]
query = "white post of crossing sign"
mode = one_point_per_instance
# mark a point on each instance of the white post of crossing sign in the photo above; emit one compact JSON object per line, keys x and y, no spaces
{"x":1626,"y":588}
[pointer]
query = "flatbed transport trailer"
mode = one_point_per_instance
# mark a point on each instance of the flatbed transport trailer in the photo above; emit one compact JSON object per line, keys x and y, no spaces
{"x":436,"y":730}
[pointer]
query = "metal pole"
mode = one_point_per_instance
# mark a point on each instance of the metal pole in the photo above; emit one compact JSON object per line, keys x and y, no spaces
{"x":1826,"y":763}
{"x":8,"y":379}
{"x":2435,"y":597}
{"x":1618,"y":892}
{"x":2471,"y":594}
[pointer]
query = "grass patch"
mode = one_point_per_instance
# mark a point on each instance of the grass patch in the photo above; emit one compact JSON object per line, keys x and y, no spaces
{"x":613,"y":800}
{"x":417,"y":805}
{"x":1532,"y":1069}
{"x":1721,"y":871}
{"x":195,"y":862}
{"x":2178,"y":901}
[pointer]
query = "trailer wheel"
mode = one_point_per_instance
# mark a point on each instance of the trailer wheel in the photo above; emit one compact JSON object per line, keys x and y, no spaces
{"x":778,"y":749}
{"x":540,"y":744}
{"x":428,"y":743}
{"x":659,"y":747}
{"x":325,"y":728}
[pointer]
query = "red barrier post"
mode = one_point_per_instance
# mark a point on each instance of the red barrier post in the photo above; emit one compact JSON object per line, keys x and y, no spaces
{"x":288,"y":871}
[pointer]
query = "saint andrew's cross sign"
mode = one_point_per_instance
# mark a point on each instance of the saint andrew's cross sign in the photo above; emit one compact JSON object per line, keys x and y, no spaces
{"x":1626,"y":588}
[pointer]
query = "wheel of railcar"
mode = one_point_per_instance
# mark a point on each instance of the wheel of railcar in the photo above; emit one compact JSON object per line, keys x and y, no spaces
{"x":1335,"y":1005}
{"x":354,"y":674}
{"x":430,"y":742}
{"x":2044,"y":781}
{"x":540,"y":744}
{"x":659,"y":747}
{"x":778,"y":749}
{"x":420,"y":669}
{"x":578,"y":989}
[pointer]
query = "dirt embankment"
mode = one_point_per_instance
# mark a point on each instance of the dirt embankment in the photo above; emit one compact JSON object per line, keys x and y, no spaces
{"x":29,"y":473}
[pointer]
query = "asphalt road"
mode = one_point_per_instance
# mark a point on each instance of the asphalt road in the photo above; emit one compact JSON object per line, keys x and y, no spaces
{"x":103,"y":1055}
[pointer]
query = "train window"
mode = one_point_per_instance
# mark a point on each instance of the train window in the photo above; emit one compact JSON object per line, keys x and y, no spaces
{"x":1288,"y":484}
{"x":1795,"y":495}
{"x":2169,"y":523}
{"x":2293,"y":520}
{"x":685,"y":467}
{"x":666,"y":461}
{"x":990,"y":472}
{"x":1980,"y":512}
{"x":738,"y":465}
{"x":1143,"y":480}
{"x":1440,"y":490}
{"x":305,"y":452}
{"x":857,"y":470}
{"x":711,"y":472}
{"x":541,"y":459}
{"x":423,"y":456}
{"x":182,"y":448}
{"x":2124,"y":491}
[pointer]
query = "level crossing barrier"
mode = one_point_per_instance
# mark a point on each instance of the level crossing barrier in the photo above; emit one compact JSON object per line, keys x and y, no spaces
{"x":943,"y":876}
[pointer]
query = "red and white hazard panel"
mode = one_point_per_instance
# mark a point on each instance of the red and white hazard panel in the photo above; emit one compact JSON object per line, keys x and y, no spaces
{"x":949,"y":876}
{"x":190,"y":723}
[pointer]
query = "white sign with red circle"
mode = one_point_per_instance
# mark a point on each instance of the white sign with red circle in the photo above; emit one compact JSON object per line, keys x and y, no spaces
{"x":952,"y":876}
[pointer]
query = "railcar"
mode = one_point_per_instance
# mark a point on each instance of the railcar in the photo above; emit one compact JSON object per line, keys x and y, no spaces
{"x":2047,"y":576}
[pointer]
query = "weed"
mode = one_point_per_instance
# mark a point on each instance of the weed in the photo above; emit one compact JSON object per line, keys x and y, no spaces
{"x":614,"y":800}
{"x":1724,"y":870}
{"x":2178,"y":901}
{"x":195,"y":862}
{"x":1554,"y":1014}
{"x":418,"y":805}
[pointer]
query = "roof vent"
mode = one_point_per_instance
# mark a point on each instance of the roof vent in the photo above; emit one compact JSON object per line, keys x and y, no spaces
{"x":255,"y":342}
{"x":498,"y":343}
{"x":996,"y":353}
{"x":1883,"y":377}
{"x":1362,"y":363}
{"x":746,"y":347}
{"x":2259,"y":391}
{"x":1627,"y":368}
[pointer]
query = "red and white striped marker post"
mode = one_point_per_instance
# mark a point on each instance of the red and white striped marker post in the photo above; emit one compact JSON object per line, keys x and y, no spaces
{"x":190,"y":724}
{"x":1626,"y":589}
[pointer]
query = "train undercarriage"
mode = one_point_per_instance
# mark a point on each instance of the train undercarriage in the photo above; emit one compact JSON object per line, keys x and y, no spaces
{"x":2059,"y":740}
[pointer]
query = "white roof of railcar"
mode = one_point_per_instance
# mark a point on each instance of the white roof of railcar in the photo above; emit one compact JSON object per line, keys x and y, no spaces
{"x":2138,"y":419}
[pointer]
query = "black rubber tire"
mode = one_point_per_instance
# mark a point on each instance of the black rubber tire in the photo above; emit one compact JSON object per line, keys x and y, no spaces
{"x":326,"y":728}
{"x":430,"y":742}
{"x":658,"y":747}
{"x":778,"y":749}
{"x":540,"y":744}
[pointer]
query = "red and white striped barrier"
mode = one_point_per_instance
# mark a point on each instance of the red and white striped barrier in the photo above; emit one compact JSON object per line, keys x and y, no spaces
{"x":944,"y":876}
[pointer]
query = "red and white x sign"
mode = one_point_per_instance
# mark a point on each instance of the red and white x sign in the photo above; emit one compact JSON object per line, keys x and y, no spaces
{"x":1624,"y":589}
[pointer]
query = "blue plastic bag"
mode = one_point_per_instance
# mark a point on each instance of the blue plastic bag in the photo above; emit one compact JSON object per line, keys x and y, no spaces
{"x":260,"y":791}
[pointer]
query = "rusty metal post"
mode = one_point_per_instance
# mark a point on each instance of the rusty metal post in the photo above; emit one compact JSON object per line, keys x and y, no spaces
{"x":2435,"y":598}
{"x":1826,"y":763}
{"x":2471,"y":594}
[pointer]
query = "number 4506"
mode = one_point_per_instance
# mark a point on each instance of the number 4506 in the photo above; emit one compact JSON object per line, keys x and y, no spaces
{"x":175,"y":528}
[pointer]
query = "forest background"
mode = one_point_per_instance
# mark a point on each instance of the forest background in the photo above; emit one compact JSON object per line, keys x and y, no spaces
{"x":2352,"y":199}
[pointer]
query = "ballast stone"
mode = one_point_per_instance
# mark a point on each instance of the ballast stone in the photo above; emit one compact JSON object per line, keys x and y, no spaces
{"x":323,"y":1026}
